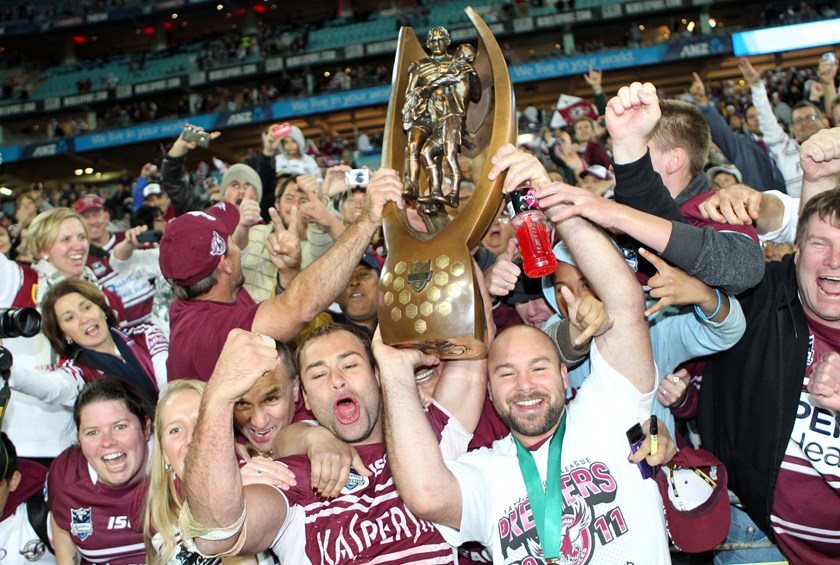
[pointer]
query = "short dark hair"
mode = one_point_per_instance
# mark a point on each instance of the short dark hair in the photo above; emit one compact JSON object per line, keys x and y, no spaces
{"x":806,"y":104}
{"x":825,"y":205}
{"x":50,"y":325}
{"x":116,"y":389}
{"x":9,"y":456}
{"x":146,"y":216}
{"x":329,"y":329}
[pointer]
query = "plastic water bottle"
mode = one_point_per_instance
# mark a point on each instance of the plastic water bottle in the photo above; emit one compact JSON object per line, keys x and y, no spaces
{"x":528,"y":220}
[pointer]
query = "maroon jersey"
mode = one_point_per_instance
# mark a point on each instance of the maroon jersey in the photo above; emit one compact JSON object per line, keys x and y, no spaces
{"x":367,"y":522}
{"x":104,"y":522}
{"x":806,"y":502}
{"x":135,"y":291}
{"x":198,"y":331}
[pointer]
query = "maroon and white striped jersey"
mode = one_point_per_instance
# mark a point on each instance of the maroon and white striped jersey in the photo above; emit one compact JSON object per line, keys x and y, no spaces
{"x":104,"y":522}
{"x":367,"y":522}
{"x":135,"y":291}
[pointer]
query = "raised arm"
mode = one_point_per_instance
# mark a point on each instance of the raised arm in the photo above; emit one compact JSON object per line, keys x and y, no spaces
{"x":632,"y":116}
{"x":172,"y":174}
{"x":226,"y":517}
{"x":283,"y":316}
{"x":820,"y":159}
{"x":626,"y":346}
{"x":426,"y":485}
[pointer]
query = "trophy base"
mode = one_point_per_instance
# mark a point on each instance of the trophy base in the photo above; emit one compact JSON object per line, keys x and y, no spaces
{"x":448,"y":348}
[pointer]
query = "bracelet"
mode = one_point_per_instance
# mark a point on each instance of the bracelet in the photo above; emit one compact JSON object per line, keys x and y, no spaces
{"x":190,"y":529}
{"x":700,"y":313}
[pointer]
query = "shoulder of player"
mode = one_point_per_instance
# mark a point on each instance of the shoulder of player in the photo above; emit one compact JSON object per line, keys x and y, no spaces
{"x":302,"y":468}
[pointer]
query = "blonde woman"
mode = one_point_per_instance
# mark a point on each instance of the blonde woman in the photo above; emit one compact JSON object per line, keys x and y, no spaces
{"x":175,"y":420}
{"x":58,"y":239}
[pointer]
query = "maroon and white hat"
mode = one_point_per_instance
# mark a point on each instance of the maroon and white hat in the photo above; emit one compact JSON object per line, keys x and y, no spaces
{"x":88,"y":202}
{"x":193,"y":242}
{"x":693,"y":489}
{"x":598,"y":171}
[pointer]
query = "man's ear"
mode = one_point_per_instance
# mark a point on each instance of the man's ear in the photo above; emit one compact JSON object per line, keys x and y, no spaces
{"x":224,"y":264}
{"x":677,"y":159}
{"x":296,"y":390}
{"x":14,"y":481}
{"x":564,"y":371}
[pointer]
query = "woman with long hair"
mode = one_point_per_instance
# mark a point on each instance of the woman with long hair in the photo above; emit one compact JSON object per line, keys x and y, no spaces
{"x":59,"y":241}
{"x":82,"y":328}
{"x":175,"y":420}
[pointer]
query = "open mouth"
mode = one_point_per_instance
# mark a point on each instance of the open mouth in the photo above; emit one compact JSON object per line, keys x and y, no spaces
{"x":114,"y":461}
{"x":92,"y":330}
{"x":829,"y":285}
{"x":263,"y":435}
{"x":346,"y":410}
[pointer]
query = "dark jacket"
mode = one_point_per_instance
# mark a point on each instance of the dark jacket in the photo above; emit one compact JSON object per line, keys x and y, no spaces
{"x":750,"y":393}
{"x":181,"y":193}
{"x":720,"y":255}
{"x":758,"y":170}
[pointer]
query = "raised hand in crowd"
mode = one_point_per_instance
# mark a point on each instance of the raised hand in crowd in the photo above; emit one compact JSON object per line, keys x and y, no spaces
{"x":587,"y":315}
{"x":820,"y":156}
{"x":698,"y":90}
{"x":750,"y":74}
{"x":631,"y":116}
{"x":385,"y":186}
{"x":673,"y":287}
{"x":315,"y":210}
{"x":125,"y":249}
{"x":181,"y":147}
{"x":334,"y":180}
{"x":283,"y":244}
{"x":673,"y":388}
{"x":824,"y":383}
{"x":593,"y":78}
{"x":502,"y":276}
{"x":270,"y":142}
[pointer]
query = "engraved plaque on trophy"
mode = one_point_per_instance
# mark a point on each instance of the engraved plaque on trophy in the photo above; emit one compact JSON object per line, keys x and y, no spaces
{"x":443,"y":103}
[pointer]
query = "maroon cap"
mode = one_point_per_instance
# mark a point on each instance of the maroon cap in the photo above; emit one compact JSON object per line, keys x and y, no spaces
{"x":193,"y":242}
{"x":693,"y":489}
{"x":88,"y":202}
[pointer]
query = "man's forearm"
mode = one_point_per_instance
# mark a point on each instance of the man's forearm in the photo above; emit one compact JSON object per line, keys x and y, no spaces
{"x":426,"y":486}
{"x":213,"y":485}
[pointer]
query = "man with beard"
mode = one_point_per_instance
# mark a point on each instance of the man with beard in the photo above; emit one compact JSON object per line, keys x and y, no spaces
{"x":367,"y":521}
{"x":495,"y":495}
{"x":202,"y":263}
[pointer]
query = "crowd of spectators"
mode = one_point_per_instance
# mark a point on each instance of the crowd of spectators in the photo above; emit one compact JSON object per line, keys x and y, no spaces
{"x":248,"y":293}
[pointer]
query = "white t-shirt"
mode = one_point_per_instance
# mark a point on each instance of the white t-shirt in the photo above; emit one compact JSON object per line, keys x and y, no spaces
{"x":19,"y":544}
{"x":611,"y":514}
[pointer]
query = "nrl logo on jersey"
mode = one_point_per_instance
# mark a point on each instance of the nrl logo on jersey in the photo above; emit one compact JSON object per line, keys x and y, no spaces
{"x":81,"y":522}
{"x":355,"y":482}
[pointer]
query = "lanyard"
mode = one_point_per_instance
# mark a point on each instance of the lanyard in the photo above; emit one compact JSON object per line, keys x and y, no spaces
{"x":546,"y":505}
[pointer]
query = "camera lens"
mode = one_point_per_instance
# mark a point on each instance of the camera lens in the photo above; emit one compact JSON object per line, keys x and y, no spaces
{"x":19,"y":322}
{"x":360,"y":178}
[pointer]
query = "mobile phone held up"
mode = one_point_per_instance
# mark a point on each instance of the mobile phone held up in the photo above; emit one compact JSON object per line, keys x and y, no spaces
{"x":151,"y":236}
{"x":636,"y":436}
{"x":830,"y":57}
{"x":201,"y":138}
{"x":282,"y":130}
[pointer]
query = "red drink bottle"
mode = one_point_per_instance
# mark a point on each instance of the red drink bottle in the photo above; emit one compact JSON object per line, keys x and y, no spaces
{"x":528,"y":220}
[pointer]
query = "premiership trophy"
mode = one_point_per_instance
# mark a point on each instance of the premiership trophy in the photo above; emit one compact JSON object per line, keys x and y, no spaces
{"x":442,"y":104}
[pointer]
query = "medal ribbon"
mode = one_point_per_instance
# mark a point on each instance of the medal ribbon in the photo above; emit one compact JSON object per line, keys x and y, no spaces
{"x":546,"y":504}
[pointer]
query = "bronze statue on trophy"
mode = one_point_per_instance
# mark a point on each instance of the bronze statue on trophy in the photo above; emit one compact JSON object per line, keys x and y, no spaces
{"x":441,"y":105}
{"x":440,"y":89}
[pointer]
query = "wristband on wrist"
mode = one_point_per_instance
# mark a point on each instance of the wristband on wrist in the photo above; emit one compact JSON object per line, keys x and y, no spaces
{"x":700,"y":313}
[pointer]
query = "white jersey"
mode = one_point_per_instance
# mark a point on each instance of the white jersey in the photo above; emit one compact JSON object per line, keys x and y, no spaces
{"x":610,"y":514}
{"x":19,"y":544}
